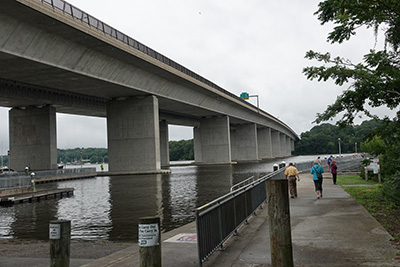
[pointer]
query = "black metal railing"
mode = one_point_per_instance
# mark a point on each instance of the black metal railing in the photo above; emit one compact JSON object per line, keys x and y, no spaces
{"x":219,"y":219}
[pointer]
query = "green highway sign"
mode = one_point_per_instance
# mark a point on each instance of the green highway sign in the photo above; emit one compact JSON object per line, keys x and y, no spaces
{"x":244,"y":96}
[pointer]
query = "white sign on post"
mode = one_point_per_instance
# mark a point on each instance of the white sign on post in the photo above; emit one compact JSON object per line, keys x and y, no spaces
{"x":148,"y":235}
{"x":54,"y":231}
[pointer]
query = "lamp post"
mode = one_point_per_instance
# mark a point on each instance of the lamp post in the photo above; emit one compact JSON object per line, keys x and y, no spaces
{"x":356,"y":147}
{"x":340,"y":151}
{"x":81,"y":159}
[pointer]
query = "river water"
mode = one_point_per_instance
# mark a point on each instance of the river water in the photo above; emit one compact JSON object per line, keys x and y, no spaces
{"x":108,"y":208}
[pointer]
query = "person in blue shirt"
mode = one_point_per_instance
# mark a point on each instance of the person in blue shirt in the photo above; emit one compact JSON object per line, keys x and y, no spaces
{"x":330,"y":162}
{"x":315,"y":170}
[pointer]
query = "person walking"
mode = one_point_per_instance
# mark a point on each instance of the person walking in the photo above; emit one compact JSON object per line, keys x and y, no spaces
{"x":291,"y":173}
{"x":319,"y":161}
{"x":334,"y":171}
{"x":330,"y":162}
{"x":317,"y":171}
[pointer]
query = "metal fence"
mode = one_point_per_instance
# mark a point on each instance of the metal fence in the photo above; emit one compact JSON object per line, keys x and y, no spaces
{"x":63,"y":172}
{"x":219,"y":219}
{"x":95,"y":23}
{"x":21,"y":180}
{"x":12,"y":181}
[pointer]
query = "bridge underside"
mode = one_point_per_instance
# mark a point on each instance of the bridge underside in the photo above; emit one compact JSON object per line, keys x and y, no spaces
{"x":138,"y":138}
{"x":51,"y":62}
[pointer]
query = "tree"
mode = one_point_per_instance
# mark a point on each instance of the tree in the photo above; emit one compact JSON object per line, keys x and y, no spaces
{"x":323,"y":138}
{"x":376,"y":80}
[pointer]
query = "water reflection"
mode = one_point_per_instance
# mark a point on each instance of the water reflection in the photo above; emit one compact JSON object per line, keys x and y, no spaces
{"x":108,"y":208}
{"x":89,"y":208}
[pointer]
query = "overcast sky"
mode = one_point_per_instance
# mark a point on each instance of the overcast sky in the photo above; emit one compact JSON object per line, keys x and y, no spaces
{"x":253,"y":46}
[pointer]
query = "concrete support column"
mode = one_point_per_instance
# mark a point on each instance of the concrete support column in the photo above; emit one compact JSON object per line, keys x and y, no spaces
{"x":33,"y":138}
{"x":164,"y":143}
{"x":234,"y":149}
{"x":197,"y":144}
{"x":288,"y":146}
{"x":276,"y":144}
{"x":246,"y":142}
{"x":133,"y":135}
{"x":264,"y":143}
{"x":214,"y":138}
{"x":291,"y":145}
{"x":283,"y":145}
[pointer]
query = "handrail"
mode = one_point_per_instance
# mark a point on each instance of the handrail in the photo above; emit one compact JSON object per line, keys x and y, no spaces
{"x":242,"y":182}
{"x":219,"y":219}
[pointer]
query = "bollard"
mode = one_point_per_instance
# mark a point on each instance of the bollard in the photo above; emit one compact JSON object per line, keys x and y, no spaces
{"x":279,"y":223}
{"x":149,"y":242}
{"x":275,"y":167}
{"x":60,"y":239}
{"x":33,"y":185}
{"x":282,"y":165}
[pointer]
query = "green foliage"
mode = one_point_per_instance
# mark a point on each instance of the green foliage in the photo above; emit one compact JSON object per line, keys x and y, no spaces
{"x":323,"y":139}
{"x":94,"y":155}
{"x":5,"y":160}
{"x":391,"y":189}
{"x":181,"y":150}
{"x":374,"y":146}
{"x":374,"y":81}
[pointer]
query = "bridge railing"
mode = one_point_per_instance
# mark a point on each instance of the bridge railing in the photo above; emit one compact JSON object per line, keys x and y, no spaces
{"x":217,"y":220}
{"x":95,"y":23}
{"x":21,"y":180}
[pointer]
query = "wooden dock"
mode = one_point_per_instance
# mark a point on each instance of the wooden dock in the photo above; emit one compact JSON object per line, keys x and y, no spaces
{"x":36,"y":196}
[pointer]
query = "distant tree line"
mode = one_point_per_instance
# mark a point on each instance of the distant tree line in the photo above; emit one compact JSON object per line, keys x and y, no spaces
{"x":92,"y":155}
{"x":178,"y":150}
{"x":323,"y":139}
{"x":181,"y":150}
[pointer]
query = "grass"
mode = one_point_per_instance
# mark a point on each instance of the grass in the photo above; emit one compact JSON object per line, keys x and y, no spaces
{"x":385,"y":212}
{"x":353,"y":180}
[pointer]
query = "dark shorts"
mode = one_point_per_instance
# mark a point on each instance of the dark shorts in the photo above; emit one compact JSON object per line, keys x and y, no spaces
{"x":318,"y":184}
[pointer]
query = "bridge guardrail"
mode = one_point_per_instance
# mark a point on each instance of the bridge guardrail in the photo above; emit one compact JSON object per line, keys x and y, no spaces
{"x":219,"y":219}
{"x":93,"y":22}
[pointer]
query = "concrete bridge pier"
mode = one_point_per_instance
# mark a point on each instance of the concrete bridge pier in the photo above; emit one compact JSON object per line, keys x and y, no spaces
{"x":134,"y":135}
{"x":164,"y":145}
{"x":212,"y":142}
{"x":33,"y":138}
{"x":264,"y":143}
{"x":283,"y":146}
{"x":288,"y":146}
{"x":276,"y":144}
{"x":245,"y":144}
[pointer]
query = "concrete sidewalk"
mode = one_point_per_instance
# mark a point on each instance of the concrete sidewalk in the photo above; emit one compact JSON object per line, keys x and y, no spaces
{"x":332,"y":231}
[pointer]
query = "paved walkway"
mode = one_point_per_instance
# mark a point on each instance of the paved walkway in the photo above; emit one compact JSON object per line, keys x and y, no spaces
{"x":333,"y":231}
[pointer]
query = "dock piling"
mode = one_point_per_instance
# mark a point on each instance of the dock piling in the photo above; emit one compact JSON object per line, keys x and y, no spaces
{"x":150,"y":241}
{"x":60,"y":239}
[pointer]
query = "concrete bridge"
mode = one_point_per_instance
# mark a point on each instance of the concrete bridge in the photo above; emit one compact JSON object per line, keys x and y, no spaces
{"x":57,"y":58}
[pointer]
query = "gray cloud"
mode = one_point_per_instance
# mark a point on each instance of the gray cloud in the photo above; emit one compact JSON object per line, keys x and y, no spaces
{"x":254,"y":46}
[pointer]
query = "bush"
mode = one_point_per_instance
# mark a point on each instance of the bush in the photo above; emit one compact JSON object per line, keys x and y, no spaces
{"x":391,"y":189}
